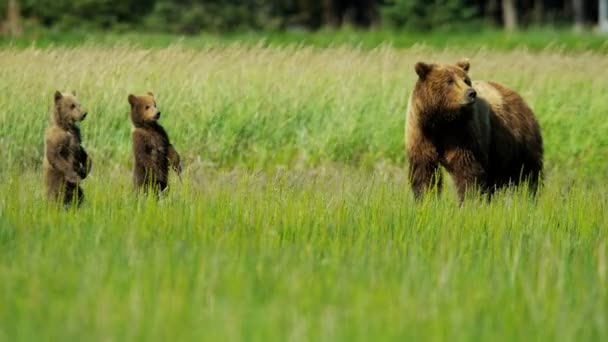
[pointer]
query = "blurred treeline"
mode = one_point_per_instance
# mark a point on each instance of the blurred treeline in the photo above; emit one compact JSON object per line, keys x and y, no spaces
{"x":193,"y":16}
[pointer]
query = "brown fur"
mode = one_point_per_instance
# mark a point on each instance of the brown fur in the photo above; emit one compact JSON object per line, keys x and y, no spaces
{"x":152,"y":150}
{"x":487,"y":142}
{"x":66,"y":163}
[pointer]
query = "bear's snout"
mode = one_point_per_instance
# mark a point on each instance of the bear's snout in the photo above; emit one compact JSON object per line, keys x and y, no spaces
{"x":471,"y":94}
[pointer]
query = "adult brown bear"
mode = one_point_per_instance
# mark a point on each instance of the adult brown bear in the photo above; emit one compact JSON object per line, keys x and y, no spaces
{"x":482,"y":133}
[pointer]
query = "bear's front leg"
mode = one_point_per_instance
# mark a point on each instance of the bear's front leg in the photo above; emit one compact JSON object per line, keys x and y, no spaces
{"x":73,"y":195}
{"x":82,"y":161}
{"x":174,"y":160}
{"x":424,"y":170}
{"x":466,"y":170}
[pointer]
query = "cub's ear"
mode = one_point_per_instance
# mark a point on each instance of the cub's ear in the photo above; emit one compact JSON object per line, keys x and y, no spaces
{"x":74,"y":92}
{"x":150,"y":93}
{"x":132,"y":100}
{"x":464,"y":64}
{"x":58,"y":96}
{"x":422,"y":69}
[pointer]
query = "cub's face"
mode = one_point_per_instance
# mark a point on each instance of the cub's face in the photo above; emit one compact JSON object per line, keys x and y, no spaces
{"x":143,"y":109}
{"x":67,"y":108}
{"x":445,"y":87}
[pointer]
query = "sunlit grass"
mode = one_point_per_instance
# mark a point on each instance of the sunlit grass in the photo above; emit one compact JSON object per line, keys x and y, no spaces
{"x":260,"y":108}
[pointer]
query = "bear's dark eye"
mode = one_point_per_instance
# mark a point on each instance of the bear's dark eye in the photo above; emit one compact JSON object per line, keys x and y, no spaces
{"x":450,"y":81}
{"x":147,"y":107}
{"x":73,"y":106}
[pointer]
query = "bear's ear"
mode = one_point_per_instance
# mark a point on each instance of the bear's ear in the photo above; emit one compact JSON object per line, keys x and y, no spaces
{"x":132,"y":100}
{"x":422,"y":69}
{"x":464,"y":64}
{"x":58,"y":96}
{"x":74,"y":92}
{"x":150,"y":93}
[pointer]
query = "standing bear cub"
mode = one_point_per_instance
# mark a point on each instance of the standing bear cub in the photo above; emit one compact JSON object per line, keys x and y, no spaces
{"x":152,"y":150}
{"x":66,"y":163}
{"x":482,"y":133}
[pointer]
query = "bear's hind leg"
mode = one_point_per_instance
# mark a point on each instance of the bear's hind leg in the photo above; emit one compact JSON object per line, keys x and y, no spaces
{"x":532,"y":176}
{"x":423,"y":173}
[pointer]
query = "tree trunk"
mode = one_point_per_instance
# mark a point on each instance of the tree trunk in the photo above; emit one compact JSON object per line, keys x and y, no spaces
{"x":579,"y":14}
{"x":603,"y":16}
{"x":538,"y":12}
{"x":330,"y":14}
{"x":509,"y":15}
{"x":12,"y":25}
{"x":492,"y":12}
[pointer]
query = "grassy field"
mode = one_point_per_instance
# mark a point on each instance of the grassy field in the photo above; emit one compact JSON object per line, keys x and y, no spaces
{"x":538,"y":39}
{"x":294,"y":219}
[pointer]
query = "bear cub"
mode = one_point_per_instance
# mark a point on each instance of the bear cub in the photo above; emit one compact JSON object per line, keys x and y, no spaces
{"x":66,"y":163}
{"x":482,"y":133}
{"x":152,"y":150}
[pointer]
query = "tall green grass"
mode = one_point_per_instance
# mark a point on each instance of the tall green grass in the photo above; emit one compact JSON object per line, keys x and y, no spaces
{"x":325,"y":255}
{"x":294,"y":219}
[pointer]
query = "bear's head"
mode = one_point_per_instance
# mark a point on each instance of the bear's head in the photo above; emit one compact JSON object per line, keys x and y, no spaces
{"x":143,"y":109}
{"x":67,"y":111}
{"x":443,"y":88}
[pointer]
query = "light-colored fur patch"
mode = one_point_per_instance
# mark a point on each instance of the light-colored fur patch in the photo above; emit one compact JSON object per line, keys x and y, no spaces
{"x":487,"y":92}
{"x":411,"y":131}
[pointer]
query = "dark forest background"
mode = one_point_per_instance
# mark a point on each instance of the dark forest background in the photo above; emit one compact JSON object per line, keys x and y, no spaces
{"x":194,"y":16}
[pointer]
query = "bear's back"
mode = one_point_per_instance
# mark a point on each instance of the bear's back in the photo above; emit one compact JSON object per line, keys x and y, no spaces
{"x":515,"y":133}
{"x":509,"y":108}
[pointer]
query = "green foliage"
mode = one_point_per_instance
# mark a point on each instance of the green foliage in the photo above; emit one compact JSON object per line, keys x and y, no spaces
{"x":173,"y":16}
{"x":429,"y":15}
{"x":69,"y":14}
{"x":193,"y":16}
